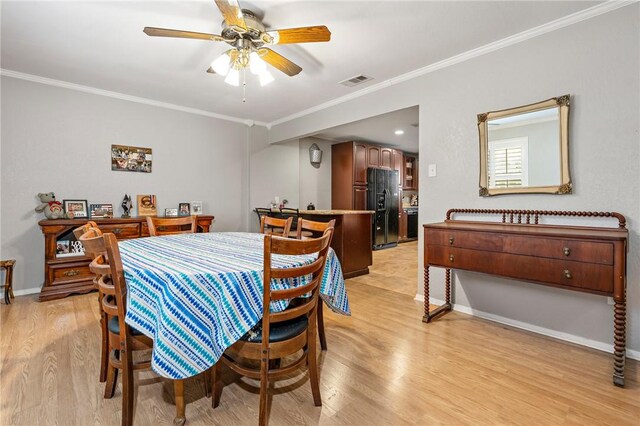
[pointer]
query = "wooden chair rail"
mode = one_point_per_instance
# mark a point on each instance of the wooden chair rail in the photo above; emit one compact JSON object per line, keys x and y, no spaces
{"x":527,"y":215}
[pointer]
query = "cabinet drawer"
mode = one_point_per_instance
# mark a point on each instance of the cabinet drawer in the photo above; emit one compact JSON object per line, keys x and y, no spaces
{"x":575,"y":250}
{"x":590,"y":277}
{"x":164,"y":228}
{"x":473,"y":240}
{"x":64,"y":273}
{"x":122,"y":230}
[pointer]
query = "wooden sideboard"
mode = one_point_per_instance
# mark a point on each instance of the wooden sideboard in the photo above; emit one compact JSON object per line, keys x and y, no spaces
{"x":579,"y":258}
{"x":67,"y":275}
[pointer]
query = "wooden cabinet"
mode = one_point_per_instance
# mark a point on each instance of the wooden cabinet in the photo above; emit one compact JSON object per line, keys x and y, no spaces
{"x":359,"y":198}
{"x":410,"y":174}
{"x":373,"y":156}
{"x":359,"y":164}
{"x":387,"y":158}
{"x":586,"y":259}
{"x":65,"y":274}
{"x":398,"y":164}
{"x":402,"y":233}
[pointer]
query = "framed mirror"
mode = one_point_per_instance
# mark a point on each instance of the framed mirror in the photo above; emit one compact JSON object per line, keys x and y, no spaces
{"x":525,"y":149}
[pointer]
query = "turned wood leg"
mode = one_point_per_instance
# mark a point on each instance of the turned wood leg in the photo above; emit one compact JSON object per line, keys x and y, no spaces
{"x":619,"y":342}
{"x":323,"y":339}
{"x":178,"y":388}
{"x":426,"y":317}
{"x":447,"y":287}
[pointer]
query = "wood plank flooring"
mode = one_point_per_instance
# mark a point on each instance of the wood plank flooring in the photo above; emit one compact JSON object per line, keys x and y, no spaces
{"x":383,"y":367}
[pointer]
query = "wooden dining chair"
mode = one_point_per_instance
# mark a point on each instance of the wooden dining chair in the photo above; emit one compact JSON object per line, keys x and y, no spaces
{"x":285,"y":333}
{"x":275,"y":226}
{"x":314,"y":228}
{"x":104,"y":339}
{"x":123,"y":340}
{"x":171,"y":226}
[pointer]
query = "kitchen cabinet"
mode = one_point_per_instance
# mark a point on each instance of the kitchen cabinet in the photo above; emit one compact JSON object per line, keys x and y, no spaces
{"x":359,"y":198}
{"x":402,"y":233}
{"x":387,"y":158}
{"x":373,"y":154}
{"x":359,"y":164}
{"x":398,"y":164}
{"x":410,"y":172}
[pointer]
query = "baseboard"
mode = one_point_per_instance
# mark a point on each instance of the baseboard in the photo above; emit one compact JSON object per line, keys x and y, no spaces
{"x":605,"y":347}
{"x":26,"y":292}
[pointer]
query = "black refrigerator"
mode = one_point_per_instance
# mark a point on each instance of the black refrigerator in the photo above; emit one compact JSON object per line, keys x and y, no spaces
{"x":382,"y":197}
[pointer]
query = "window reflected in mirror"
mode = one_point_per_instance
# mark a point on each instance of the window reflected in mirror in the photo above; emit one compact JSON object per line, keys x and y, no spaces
{"x":525,"y":149}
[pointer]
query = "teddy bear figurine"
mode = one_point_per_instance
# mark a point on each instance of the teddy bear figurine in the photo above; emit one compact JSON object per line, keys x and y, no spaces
{"x":52,"y":209}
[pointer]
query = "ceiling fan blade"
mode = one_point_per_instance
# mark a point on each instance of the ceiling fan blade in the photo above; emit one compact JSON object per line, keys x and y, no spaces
{"x":280,"y":62}
{"x":232,"y":13}
{"x":300,"y":35}
{"x":165,"y":32}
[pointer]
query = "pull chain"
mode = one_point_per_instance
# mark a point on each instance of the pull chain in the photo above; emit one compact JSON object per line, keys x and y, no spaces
{"x":244,"y":85}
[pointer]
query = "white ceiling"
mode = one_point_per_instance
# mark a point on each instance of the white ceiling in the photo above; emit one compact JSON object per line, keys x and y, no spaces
{"x":101,"y":45}
{"x":380,"y":130}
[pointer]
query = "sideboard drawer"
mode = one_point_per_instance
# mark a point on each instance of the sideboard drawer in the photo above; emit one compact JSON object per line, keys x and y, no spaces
{"x":579,"y":275}
{"x":557,"y":248}
{"x":67,"y":272}
{"x":121,"y":230}
{"x":488,"y":241}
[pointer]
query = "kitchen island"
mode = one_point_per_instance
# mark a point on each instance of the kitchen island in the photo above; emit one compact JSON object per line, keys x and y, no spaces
{"x":351,"y":238}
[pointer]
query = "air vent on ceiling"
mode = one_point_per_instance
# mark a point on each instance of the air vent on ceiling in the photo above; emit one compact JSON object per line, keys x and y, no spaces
{"x":353,"y":81}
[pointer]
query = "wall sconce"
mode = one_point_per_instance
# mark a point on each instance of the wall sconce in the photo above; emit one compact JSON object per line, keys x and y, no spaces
{"x":315,"y":155}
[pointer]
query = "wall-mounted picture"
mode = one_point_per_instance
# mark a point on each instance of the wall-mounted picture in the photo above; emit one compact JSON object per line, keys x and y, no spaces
{"x":147,"y":205}
{"x":171,"y":212}
{"x":184,"y":209}
{"x":196,"y":207}
{"x":99,"y":211}
{"x":78,"y":208}
{"x":131,"y":158}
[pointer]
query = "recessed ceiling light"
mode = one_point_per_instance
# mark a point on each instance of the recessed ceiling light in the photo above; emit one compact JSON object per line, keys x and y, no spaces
{"x":399,"y":132}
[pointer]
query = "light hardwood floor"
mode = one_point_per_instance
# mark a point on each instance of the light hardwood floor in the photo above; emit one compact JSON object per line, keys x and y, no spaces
{"x":383,"y":367}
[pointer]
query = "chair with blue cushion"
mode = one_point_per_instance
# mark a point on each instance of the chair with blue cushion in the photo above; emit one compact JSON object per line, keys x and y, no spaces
{"x":283,"y":335}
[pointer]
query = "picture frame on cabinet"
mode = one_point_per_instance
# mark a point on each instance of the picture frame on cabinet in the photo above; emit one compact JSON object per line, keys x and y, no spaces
{"x":171,"y":212}
{"x":78,"y":208}
{"x":99,"y":211}
{"x":184,"y":209}
{"x":196,"y":208}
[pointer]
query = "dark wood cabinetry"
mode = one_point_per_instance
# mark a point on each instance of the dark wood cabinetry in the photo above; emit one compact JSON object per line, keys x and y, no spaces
{"x":65,"y":275}
{"x":402,"y":233}
{"x":586,"y":259}
{"x":387,"y":158}
{"x":410,"y":175}
{"x":359,"y":163}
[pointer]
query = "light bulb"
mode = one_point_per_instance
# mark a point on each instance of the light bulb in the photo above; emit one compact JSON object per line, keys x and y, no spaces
{"x":256,"y":64}
{"x":265,"y":77}
{"x":233,"y":78}
{"x":221,"y":64}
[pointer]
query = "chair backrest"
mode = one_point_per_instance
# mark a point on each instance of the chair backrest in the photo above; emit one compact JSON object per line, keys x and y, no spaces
{"x":81,"y":230}
{"x":284,"y":246}
{"x":170,"y":226}
{"x":279,"y":227}
{"x":108,"y":268}
{"x":314,"y":227}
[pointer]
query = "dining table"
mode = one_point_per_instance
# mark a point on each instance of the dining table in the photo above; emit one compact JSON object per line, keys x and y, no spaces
{"x":197,"y":294}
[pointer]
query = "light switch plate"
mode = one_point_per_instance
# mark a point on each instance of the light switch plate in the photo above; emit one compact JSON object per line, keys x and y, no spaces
{"x":432,"y":170}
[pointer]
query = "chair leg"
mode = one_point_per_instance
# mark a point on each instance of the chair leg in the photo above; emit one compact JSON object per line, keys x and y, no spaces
{"x":111,"y":379}
{"x":312,"y":365}
{"x":104,"y":355}
{"x":323,"y":339}
{"x":264,"y":391}
{"x":10,"y":271}
{"x":207,"y":382}
{"x":178,"y":388}
{"x":127,"y":388}
{"x":216,"y":384}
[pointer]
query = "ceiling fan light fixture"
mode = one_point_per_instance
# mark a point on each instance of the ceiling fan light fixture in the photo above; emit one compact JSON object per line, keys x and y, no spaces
{"x":265,"y":77}
{"x":221,"y":64}
{"x":275,"y":36}
{"x":256,"y":64}
{"x":233,"y":78}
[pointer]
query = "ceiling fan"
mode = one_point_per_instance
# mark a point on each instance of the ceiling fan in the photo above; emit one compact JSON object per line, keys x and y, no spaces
{"x":243,"y":30}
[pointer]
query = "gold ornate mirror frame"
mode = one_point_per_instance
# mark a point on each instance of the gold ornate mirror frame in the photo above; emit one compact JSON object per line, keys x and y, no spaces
{"x":564,"y":186}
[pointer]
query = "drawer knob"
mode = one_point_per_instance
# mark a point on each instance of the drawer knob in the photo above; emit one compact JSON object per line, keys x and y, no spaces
{"x":71,"y":273}
{"x":567,"y":273}
{"x":117,"y":231}
{"x":450,"y":240}
{"x":566,"y":251}
{"x":450,"y":258}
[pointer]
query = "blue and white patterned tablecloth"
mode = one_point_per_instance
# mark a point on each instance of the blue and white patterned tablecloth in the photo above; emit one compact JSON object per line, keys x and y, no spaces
{"x":197,"y":294}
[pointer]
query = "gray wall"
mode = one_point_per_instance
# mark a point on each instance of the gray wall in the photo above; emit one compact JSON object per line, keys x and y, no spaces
{"x":59,"y":140}
{"x":597,"y":62}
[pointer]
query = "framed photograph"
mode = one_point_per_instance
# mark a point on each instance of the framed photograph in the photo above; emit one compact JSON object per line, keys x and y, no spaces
{"x":196,"y":207}
{"x":171,"y":212}
{"x":62,"y":247}
{"x":147,"y":205}
{"x":131,"y":158}
{"x":78,"y":208}
{"x":184,"y":209}
{"x":101,"y":210}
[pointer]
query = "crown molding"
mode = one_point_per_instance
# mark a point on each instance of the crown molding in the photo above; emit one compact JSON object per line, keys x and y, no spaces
{"x":125,"y":97}
{"x":563,"y":22}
